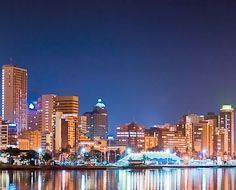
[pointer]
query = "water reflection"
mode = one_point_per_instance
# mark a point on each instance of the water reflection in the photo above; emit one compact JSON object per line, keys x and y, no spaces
{"x":167,"y":179}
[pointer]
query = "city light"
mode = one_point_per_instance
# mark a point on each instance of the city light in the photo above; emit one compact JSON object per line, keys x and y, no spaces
{"x":167,"y":151}
{"x":128,"y":150}
{"x":118,"y":95}
{"x":83,"y":150}
{"x":40,"y":150}
{"x":31,"y":106}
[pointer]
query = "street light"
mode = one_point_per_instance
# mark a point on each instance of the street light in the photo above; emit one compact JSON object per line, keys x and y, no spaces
{"x":83,"y":150}
{"x":40,"y":151}
{"x":128,"y":150}
{"x":204,"y":153}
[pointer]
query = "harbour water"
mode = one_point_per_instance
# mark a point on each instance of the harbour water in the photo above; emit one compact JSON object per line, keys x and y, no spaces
{"x":166,"y":179}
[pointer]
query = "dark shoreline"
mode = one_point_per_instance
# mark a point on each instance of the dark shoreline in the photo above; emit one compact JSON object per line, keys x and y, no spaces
{"x":103,"y":167}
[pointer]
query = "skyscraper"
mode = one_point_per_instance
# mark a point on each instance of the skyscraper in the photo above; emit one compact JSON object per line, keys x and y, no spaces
{"x":203,"y":134}
{"x":45,"y":109}
{"x":66,"y":104}
{"x":227,"y":122}
{"x":8,"y":134}
{"x":48,"y":106}
{"x":97,"y":121}
{"x":189,"y":121}
{"x":65,"y":121}
{"x":14,"y":95}
{"x":33,"y":117}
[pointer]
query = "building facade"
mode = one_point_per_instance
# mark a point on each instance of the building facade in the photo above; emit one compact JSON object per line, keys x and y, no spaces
{"x":203,"y":134}
{"x":97,"y":120}
{"x":30,"y":140}
{"x":8,"y":135}
{"x":227,"y":122}
{"x":34,"y":117}
{"x":173,"y":140}
{"x":131,"y":135}
{"x":45,"y":111}
{"x":68,"y":132}
{"x":14,"y":95}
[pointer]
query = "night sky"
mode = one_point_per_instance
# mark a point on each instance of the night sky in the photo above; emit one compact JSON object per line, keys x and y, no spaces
{"x":150,"y":62}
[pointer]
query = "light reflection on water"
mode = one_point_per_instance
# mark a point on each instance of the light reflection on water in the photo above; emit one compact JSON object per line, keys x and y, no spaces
{"x":168,"y":179}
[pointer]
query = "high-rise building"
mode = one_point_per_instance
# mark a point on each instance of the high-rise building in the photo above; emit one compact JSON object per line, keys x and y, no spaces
{"x":70,"y":132}
{"x":45,"y":110}
{"x":151,"y":142}
{"x":33,"y":117}
{"x":131,"y":135}
{"x":3,"y":135}
{"x":169,"y":139}
{"x":97,"y":121}
{"x":47,"y":141}
{"x":14,"y":95}
{"x":48,"y":106}
{"x":8,"y":134}
{"x":227,"y":122}
{"x":151,"y":138}
{"x":82,"y":131}
{"x":190,"y":120}
{"x":212,"y":120}
{"x":221,"y":142}
{"x":65,"y":122}
{"x":203,"y":134}
{"x":66,"y":104}
{"x":30,"y":140}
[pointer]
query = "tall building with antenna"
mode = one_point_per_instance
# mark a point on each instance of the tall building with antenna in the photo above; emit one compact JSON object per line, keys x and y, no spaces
{"x":97,"y":120}
{"x":14,"y":95}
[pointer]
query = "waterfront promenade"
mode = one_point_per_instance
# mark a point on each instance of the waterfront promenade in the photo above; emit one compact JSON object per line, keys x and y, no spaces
{"x":55,"y":167}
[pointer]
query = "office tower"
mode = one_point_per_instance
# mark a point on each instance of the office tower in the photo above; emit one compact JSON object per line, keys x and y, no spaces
{"x":8,"y":135}
{"x":131,"y":135}
{"x":66,"y":104}
{"x":97,"y":121}
{"x":3,"y":135}
{"x":203,"y":137}
{"x":221,"y":142}
{"x":47,"y":141}
{"x":34,"y":117}
{"x":30,"y":140}
{"x":45,"y":110}
{"x":82,"y":131}
{"x":227,"y":122}
{"x":12,"y":134}
{"x":70,"y":132}
{"x":189,"y":121}
{"x":212,"y":120}
{"x":151,"y":139}
{"x":65,"y":122}
{"x":48,"y":106}
{"x":14,"y":95}
{"x":169,"y":139}
{"x":66,"y":130}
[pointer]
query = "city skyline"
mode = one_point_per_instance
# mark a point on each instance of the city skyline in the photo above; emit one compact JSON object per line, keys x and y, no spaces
{"x":123,"y":94}
{"x":53,"y":123}
{"x":140,"y":58}
{"x":112,"y":129}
